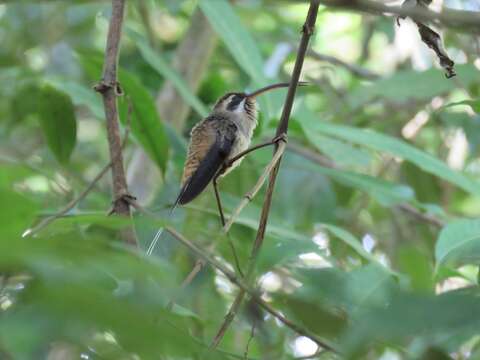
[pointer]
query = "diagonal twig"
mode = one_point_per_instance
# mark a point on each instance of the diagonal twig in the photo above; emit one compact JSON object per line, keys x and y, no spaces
{"x":248,"y":197}
{"x":282,"y":128}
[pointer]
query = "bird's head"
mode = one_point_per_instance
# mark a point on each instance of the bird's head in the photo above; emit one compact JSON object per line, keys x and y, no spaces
{"x":243,"y":103}
{"x":238,"y":103}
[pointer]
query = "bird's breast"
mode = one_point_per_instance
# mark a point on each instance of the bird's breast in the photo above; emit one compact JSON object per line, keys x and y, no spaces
{"x":241,"y":144}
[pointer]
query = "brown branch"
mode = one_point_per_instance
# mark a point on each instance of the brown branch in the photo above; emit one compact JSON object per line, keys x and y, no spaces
{"x":282,"y":128}
{"x":448,"y":17}
{"x":110,"y":89}
{"x":245,"y":288}
{"x":248,"y":197}
{"x":47,"y":221}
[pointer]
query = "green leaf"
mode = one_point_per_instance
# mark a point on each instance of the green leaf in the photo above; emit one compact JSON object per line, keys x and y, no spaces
{"x":417,"y":266}
{"x":164,"y":69}
{"x":396,"y":147}
{"x":146,"y":126}
{"x":242,"y":46}
{"x":235,"y":36}
{"x":145,"y":123}
{"x":57,"y":119}
{"x":459,"y":243}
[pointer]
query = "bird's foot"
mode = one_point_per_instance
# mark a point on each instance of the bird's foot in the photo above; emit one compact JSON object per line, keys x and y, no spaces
{"x":282,"y":137}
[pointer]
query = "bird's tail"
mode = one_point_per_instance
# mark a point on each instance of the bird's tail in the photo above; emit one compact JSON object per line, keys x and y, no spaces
{"x":159,"y":233}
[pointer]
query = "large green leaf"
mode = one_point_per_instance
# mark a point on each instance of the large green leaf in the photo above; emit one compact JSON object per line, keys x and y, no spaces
{"x":396,"y":147}
{"x":147,"y":128}
{"x":57,"y":118}
{"x":163,"y":68}
{"x":243,"y":47}
{"x":459,"y":243}
{"x":145,"y":122}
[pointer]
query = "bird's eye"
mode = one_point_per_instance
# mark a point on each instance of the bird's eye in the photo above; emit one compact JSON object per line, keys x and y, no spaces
{"x":235,"y":100}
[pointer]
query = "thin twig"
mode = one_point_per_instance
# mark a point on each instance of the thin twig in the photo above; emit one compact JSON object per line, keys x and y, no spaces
{"x":47,"y":221}
{"x":448,"y":17}
{"x":110,"y":89}
{"x":231,"y":276}
{"x":282,"y":128}
{"x":248,"y":197}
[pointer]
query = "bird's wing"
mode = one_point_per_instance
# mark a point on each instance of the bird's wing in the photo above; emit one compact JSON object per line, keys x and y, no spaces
{"x":210,"y":144}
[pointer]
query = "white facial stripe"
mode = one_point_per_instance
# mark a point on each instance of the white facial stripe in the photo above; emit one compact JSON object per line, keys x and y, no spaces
{"x":240,"y":107}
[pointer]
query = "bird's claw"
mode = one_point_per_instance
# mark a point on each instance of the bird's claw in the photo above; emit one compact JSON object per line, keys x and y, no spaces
{"x":282,"y":137}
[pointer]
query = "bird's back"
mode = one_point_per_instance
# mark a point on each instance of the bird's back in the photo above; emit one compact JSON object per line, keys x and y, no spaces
{"x":211,"y":142}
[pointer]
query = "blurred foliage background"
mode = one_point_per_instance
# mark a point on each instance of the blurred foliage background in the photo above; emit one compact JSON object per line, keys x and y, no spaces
{"x":373,"y":241}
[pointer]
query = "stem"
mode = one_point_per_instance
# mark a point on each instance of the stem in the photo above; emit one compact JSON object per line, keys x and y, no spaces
{"x":282,"y":128}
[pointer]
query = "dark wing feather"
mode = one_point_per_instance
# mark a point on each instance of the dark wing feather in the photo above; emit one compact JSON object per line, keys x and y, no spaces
{"x":210,"y":164}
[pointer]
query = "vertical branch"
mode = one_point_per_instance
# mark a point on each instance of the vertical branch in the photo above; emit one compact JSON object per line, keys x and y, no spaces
{"x":282,"y":129}
{"x":110,"y":89}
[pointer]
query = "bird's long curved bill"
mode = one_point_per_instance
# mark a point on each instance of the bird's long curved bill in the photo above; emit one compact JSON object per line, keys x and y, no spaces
{"x":274,"y":86}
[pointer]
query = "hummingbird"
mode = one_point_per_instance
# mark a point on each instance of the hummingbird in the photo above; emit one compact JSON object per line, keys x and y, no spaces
{"x":218,"y":144}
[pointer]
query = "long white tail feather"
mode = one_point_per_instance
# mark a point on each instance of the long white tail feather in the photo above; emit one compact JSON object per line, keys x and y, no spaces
{"x":159,"y":233}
